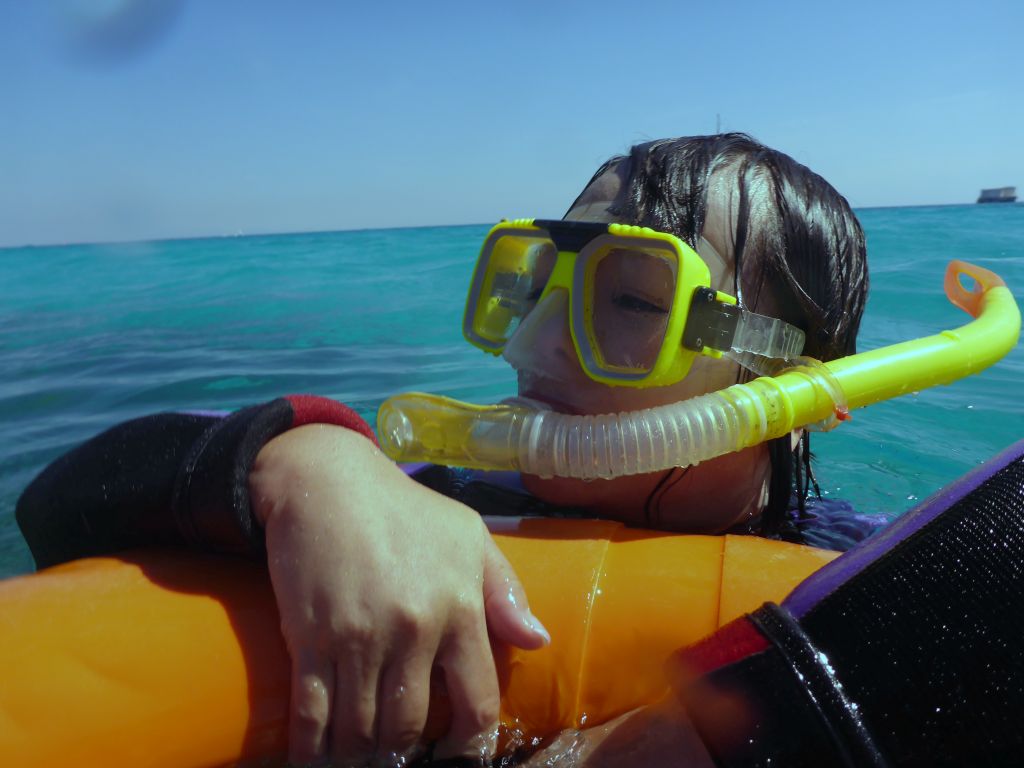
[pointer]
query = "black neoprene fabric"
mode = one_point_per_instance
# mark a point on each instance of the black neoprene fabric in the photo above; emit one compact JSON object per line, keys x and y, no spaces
{"x":930,"y":639}
{"x":918,"y":655}
{"x":211,"y":492}
{"x":168,"y":479}
{"x":112,"y":492}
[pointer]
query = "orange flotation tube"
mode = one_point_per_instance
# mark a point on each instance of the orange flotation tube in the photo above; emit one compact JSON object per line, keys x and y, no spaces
{"x":167,"y":660}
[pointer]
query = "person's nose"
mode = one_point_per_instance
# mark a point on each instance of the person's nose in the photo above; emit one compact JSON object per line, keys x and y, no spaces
{"x":543,"y":343}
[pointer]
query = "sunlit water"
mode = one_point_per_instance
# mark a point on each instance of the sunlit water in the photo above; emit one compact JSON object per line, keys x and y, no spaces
{"x":91,"y":335}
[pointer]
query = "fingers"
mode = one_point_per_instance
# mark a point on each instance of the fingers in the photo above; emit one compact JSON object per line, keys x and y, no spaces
{"x":472,"y":684}
{"x":368,"y":719}
{"x":354,"y":727}
{"x":508,"y":613}
{"x":312,"y":689}
{"x":403,"y":699}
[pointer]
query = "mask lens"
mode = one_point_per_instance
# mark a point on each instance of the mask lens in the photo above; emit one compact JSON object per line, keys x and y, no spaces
{"x":517,"y":269}
{"x":630,"y":292}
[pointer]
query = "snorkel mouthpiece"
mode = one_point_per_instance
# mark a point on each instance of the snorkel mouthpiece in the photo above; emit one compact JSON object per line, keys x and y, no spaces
{"x":520,"y":436}
{"x":436,"y":429}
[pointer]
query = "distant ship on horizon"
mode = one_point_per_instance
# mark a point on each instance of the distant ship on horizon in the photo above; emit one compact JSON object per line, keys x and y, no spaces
{"x":998,"y":195}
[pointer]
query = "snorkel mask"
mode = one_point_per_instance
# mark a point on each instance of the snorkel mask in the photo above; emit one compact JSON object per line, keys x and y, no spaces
{"x":639,"y":302}
{"x":640,"y":311}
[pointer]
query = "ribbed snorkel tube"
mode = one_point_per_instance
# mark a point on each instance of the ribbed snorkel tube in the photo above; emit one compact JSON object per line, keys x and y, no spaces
{"x":420,"y":427}
{"x":546,"y":443}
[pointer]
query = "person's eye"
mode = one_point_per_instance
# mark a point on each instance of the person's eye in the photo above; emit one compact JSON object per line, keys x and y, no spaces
{"x":633,"y":303}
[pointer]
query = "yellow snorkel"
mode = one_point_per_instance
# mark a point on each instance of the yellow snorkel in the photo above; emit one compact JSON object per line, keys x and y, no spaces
{"x":431,"y":428}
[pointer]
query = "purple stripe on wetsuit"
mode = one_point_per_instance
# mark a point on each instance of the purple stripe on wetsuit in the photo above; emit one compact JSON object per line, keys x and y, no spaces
{"x":212,"y":414}
{"x":412,"y":469}
{"x":825,"y":581}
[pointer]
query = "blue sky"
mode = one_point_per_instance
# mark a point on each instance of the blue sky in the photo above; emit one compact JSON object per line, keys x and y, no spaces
{"x":226,"y":116}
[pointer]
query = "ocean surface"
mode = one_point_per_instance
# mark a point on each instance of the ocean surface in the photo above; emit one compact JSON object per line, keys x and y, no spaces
{"x":91,"y":335}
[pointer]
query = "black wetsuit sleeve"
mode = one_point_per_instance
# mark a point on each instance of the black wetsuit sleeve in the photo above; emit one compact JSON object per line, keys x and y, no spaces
{"x":168,"y":479}
{"x":903,"y":652}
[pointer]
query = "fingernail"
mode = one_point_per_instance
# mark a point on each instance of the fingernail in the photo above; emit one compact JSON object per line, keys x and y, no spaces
{"x":534,"y":623}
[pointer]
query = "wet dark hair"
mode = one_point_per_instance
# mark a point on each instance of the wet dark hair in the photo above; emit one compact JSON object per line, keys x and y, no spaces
{"x":799,"y":251}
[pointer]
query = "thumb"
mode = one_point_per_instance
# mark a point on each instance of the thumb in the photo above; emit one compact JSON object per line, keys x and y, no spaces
{"x":508,"y":614}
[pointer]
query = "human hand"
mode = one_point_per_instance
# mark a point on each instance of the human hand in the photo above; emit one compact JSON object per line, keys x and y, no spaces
{"x":378,"y":582}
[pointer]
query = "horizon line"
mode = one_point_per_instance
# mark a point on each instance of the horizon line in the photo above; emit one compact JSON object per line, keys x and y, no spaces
{"x":288,"y":233}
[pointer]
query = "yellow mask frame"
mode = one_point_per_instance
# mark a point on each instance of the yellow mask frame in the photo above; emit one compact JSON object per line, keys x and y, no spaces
{"x":508,"y":282}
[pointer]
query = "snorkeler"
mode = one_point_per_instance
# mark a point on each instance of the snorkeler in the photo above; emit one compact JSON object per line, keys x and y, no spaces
{"x":380,"y":580}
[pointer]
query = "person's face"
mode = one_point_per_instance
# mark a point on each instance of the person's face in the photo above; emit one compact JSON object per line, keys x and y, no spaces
{"x":709,"y":497}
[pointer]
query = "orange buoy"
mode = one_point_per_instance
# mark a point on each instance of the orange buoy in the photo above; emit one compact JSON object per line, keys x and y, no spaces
{"x":171,"y":660}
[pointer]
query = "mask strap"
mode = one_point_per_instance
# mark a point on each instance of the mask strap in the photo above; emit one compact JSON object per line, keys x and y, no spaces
{"x":725,"y":327}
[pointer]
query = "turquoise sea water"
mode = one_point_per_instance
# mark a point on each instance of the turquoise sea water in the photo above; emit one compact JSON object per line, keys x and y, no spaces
{"x":94,"y":334}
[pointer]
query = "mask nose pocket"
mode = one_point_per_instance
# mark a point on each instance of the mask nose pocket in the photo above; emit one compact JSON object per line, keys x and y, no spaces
{"x":541,"y":344}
